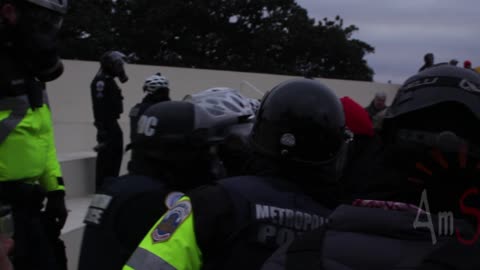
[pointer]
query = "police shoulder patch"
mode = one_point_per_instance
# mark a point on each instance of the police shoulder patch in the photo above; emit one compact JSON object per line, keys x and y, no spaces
{"x":172,"y":198}
{"x":172,"y":219}
{"x":100,"y":86}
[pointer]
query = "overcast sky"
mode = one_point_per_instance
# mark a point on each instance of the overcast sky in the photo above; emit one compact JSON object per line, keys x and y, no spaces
{"x":402,"y":31}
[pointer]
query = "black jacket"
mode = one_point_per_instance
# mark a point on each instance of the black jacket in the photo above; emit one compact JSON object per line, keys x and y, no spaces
{"x":118,"y":219}
{"x":361,"y":238}
{"x":107,"y":99}
{"x":242,"y":220}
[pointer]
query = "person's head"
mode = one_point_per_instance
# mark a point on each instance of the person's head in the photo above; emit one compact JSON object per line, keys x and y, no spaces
{"x":112,"y":63}
{"x":429,"y":59}
{"x":467,"y":64}
{"x":30,"y":27}
{"x":433,"y":128}
{"x":177,"y":139}
{"x":301,"y":127}
{"x":379,"y":100}
{"x":453,"y":62}
{"x":156,"y":84}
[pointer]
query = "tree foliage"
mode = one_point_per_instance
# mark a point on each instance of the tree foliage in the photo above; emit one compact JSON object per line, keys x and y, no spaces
{"x":244,"y":35}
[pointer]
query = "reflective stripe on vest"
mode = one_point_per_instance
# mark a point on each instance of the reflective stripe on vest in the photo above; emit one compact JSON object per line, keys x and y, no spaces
{"x":143,"y":259}
{"x":19,"y":106}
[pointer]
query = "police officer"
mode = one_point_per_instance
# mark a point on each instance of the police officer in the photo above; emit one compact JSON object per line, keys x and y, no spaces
{"x":107,"y":102}
{"x":29,"y":169}
{"x":174,"y":150}
{"x":423,"y":185}
{"x":157,"y":90}
{"x":298,"y":137}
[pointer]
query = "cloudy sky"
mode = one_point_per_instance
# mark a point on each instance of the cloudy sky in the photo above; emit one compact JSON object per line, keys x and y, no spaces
{"x":402,"y":31}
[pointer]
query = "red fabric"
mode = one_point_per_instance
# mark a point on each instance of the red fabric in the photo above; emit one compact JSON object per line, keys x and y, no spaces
{"x":357,"y":118}
{"x":387,"y":205}
{"x":467,"y":64}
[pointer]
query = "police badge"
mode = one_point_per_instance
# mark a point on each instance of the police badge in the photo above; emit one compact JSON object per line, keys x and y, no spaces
{"x":172,"y":219}
{"x":100,"y":86}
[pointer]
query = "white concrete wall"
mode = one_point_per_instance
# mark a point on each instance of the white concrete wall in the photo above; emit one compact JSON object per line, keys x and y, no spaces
{"x":72,"y":109}
{"x":79,"y":173}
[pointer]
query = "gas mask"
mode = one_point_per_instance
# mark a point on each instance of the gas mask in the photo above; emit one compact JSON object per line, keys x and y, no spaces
{"x":34,"y":40}
{"x":112,"y":63}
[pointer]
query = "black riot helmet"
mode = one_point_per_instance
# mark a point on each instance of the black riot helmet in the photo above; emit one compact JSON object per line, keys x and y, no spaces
{"x":444,"y":97}
{"x":30,"y":29}
{"x":172,"y":129}
{"x":112,"y":63}
{"x":180,"y":137}
{"x":433,"y":128}
{"x":301,"y":122}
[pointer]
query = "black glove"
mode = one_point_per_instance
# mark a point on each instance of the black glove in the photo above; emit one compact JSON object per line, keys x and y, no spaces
{"x":99,"y":147}
{"x":102,"y":135}
{"x":56,"y":211}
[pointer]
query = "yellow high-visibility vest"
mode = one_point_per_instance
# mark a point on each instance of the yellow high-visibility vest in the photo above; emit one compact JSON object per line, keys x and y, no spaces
{"x":171,"y":243}
{"x":27,"y":143}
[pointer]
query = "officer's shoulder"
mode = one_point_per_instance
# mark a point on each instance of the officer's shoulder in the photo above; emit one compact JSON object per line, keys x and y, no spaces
{"x":204,"y":190}
{"x":98,"y":87}
{"x":220,"y":191}
{"x":211,"y":194}
{"x":220,"y":184}
{"x":245,"y":182}
{"x":128,"y":184}
{"x":247,"y":178}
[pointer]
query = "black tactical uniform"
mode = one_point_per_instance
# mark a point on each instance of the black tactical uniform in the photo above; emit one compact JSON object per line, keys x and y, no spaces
{"x":107,"y":103}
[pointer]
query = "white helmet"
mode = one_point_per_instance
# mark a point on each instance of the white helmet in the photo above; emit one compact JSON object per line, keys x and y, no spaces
{"x":154,"y":83}
{"x":223,"y":102}
{"x":59,"y":6}
{"x":255,"y":103}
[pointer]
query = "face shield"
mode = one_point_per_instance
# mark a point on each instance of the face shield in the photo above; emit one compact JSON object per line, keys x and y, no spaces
{"x":113,"y":64}
{"x":119,"y":70}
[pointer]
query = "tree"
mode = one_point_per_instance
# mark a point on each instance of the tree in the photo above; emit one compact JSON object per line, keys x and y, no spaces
{"x":83,"y":36}
{"x":243,"y":35}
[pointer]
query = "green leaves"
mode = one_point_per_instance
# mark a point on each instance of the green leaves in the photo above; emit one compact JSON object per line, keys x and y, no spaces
{"x":243,"y":35}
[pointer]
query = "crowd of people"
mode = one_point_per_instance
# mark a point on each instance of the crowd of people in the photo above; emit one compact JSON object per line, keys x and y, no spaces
{"x":429,"y":61}
{"x":301,"y":179}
